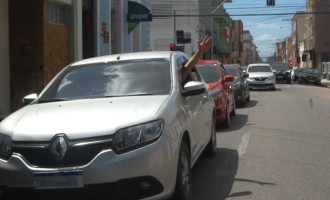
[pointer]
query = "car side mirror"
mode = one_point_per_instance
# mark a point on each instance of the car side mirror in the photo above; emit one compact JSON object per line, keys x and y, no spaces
{"x":29,"y":98}
{"x":193,"y":88}
{"x":245,"y":76}
{"x":229,"y":78}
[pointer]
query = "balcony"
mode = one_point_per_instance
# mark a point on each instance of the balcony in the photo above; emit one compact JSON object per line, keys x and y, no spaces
{"x":222,"y":46}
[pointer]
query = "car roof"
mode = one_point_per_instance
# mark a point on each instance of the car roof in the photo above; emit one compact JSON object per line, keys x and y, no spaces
{"x":126,"y":56}
{"x":208,"y":62}
{"x":259,"y":64}
{"x":232,"y":65}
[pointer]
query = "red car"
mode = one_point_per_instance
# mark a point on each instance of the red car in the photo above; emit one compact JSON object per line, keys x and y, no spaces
{"x":220,"y":84}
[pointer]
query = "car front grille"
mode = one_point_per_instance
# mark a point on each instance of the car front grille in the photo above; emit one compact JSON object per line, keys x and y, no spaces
{"x":260,"y":78}
{"x":77,"y":153}
{"x":262,"y":85}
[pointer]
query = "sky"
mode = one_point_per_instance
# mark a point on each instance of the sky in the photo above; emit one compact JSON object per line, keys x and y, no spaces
{"x":270,"y":25}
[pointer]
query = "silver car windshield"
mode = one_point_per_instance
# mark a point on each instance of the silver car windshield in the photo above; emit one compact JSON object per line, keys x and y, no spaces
{"x":259,"y":68}
{"x":122,"y":78}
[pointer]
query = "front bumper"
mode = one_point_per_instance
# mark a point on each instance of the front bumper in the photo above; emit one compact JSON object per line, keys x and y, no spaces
{"x":267,"y":84}
{"x":220,"y":110}
{"x":282,"y":77}
{"x":144,"y":173}
{"x":311,"y":79}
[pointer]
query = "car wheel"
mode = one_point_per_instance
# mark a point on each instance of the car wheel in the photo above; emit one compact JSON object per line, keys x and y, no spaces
{"x":211,"y":148}
{"x":233,"y":112}
{"x":227,"y":120}
{"x":184,"y":177}
{"x":243,"y":101}
{"x":248,"y":98}
{"x":299,"y":80}
{"x":288,"y":81}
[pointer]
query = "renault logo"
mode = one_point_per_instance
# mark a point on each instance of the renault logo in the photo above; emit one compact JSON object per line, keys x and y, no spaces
{"x":59,"y":147}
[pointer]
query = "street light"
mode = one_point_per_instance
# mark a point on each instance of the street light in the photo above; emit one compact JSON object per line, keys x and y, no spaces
{"x":212,"y":24}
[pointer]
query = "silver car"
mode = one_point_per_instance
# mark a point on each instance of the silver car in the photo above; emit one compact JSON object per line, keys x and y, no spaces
{"x":121,"y":127}
{"x":261,"y":76}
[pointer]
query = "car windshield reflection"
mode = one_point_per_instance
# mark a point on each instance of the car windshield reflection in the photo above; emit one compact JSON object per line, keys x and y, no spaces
{"x":122,"y":78}
{"x":260,"y":68}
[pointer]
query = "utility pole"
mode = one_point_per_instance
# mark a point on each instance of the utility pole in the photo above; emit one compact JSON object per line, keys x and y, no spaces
{"x":174,"y":23}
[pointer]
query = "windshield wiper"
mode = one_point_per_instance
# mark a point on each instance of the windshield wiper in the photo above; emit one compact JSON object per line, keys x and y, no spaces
{"x":52,"y":100}
{"x":128,"y":95}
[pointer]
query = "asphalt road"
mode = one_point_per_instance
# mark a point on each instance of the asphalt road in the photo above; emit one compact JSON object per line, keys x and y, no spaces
{"x":278,"y":147}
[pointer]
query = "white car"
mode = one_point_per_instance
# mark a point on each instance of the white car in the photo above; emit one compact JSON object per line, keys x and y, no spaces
{"x":121,"y":127}
{"x":261,"y":76}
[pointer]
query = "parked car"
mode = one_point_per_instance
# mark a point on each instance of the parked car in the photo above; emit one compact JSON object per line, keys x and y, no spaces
{"x":309,"y":75}
{"x":282,"y":72}
{"x":326,"y":70}
{"x":240,"y":84}
{"x":220,"y":84}
{"x":261,"y":76}
{"x":119,"y":126}
{"x":294,"y":73}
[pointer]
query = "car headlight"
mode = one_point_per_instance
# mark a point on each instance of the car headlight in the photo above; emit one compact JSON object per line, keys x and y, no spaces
{"x":270,"y":77}
{"x":217,"y":93}
{"x":5,"y":146}
{"x":134,"y":137}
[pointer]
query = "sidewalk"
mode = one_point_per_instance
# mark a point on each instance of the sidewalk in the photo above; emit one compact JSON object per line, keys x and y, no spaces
{"x":325,"y":83}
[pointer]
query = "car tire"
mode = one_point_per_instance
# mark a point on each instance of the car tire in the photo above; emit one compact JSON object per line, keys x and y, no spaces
{"x":227,"y":120}
{"x":184,"y":175}
{"x":248,"y":98}
{"x":233,"y":111}
{"x":211,"y":148}
{"x":243,"y":102}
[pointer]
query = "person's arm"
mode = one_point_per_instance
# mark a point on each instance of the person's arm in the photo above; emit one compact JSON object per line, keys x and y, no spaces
{"x":202,"y":48}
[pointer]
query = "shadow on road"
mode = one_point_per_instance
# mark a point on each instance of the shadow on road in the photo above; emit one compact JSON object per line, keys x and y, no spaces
{"x":250,"y":104}
{"x":213,"y":177}
{"x":266,"y":90}
{"x":237,"y":122}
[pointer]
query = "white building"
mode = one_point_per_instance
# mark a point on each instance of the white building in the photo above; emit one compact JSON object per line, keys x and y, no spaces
{"x":164,"y":25}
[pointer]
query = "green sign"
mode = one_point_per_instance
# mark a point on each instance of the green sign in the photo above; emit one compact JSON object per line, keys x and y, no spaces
{"x":136,"y":14}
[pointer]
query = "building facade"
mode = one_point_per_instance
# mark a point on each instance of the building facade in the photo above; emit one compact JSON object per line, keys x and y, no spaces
{"x":316,"y":39}
{"x":297,"y":35}
{"x":175,"y":22}
{"x":237,"y":42}
{"x":44,"y":36}
{"x":4,"y":59}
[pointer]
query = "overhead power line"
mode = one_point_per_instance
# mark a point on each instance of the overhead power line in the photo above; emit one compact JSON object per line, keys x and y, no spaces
{"x":241,"y":15}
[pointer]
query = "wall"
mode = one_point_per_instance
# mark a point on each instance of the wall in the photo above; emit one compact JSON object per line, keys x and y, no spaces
{"x":4,"y":58}
{"x":26,"y":49}
{"x":56,"y":50}
{"x":102,"y":27}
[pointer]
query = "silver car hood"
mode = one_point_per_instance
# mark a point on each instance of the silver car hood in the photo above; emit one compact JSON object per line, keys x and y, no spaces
{"x":80,"y":118}
{"x":260,"y":74}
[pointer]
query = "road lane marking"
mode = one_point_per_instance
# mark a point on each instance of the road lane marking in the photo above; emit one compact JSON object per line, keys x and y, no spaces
{"x":243,"y":145}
